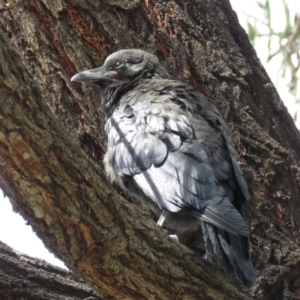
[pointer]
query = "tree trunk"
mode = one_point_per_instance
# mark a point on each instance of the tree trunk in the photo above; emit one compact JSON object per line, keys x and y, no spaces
{"x":61,"y":190}
{"x":24,"y":277}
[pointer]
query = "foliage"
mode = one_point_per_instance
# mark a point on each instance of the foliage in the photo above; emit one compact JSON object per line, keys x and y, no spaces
{"x":284,"y":42}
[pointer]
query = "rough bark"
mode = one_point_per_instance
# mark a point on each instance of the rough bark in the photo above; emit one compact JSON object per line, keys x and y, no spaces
{"x":74,"y":209}
{"x":25,"y":277}
{"x":63,"y":192}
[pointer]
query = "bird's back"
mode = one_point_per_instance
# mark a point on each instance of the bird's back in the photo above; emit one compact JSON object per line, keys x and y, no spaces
{"x":149,"y":113}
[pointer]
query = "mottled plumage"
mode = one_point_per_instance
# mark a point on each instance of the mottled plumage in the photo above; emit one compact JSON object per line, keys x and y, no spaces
{"x":170,"y":148}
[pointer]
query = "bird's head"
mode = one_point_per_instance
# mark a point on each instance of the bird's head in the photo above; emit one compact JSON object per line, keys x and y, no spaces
{"x":121,"y":67}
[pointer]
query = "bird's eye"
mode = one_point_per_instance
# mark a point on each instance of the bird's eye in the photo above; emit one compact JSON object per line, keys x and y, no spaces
{"x":118,"y":64}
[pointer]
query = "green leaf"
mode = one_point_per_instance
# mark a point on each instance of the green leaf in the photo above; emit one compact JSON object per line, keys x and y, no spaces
{"x":267,"y":9}
{"x":288,"y":26}
{"x":252,"y":31}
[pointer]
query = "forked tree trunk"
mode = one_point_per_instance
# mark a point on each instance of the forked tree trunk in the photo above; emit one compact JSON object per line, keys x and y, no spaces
{"x":52,"y":142}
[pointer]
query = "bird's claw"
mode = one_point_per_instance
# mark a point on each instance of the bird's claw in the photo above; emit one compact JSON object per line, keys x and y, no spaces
{"x":174,"y":237}
{"x":207,"y":257}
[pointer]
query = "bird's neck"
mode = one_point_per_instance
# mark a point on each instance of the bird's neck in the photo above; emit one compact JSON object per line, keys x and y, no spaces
{"x":112,"y":94}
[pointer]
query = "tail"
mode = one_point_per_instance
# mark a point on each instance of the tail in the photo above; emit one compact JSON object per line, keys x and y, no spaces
{"x":232,"y":251}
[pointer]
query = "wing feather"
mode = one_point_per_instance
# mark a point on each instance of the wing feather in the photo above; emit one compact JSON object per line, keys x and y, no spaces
{"x":154,"y":142}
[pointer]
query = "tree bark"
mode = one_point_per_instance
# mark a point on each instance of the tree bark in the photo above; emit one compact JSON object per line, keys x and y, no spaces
{"x":50,"y":160}
{"x":25,"y":277}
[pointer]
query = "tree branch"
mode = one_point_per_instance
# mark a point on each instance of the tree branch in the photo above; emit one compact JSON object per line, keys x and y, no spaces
{"x":50,"y":166}
{"x":76,"y":211}
{"x":24,"y":277}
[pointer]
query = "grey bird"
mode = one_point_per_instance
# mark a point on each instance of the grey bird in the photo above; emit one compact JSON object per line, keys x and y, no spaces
{"x":170,"y":148}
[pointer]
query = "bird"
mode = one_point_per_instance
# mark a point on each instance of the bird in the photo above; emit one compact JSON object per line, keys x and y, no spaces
{"x":170,"y":147}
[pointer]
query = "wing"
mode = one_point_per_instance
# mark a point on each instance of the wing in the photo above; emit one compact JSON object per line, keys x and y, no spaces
{"x":214,"y":140}
{"x":152,"y":142}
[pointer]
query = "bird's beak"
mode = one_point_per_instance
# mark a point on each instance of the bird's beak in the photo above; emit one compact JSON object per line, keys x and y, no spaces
{"x":91,"y":76}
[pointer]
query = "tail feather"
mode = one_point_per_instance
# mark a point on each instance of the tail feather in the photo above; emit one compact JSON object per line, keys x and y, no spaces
{"x":232,"y":251}
{"x":223,"y":214}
